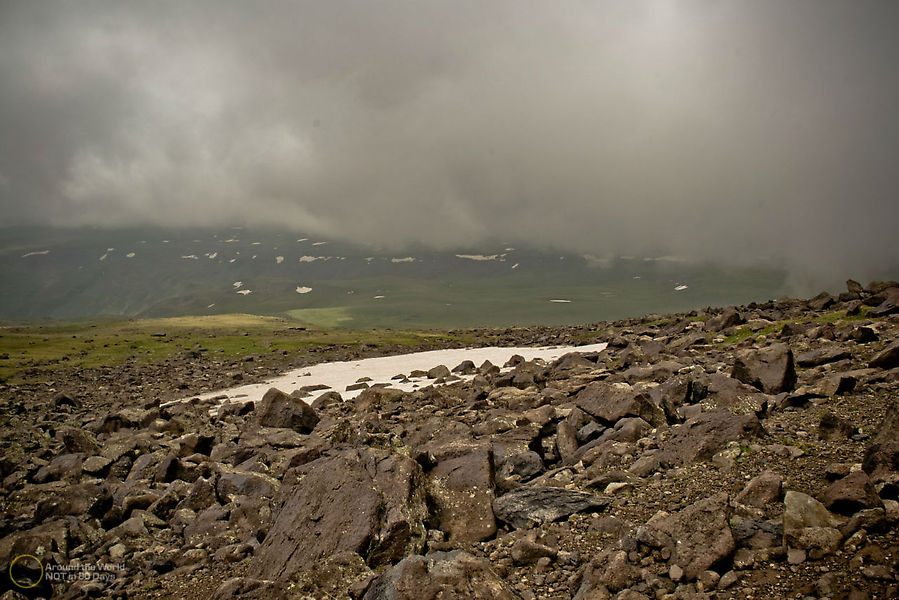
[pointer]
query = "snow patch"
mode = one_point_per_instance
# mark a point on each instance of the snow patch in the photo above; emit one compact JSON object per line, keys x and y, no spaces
{"x":36,"y":253}
{"x":406,"y":259}
{"x":279,"y":259}
{"x":319,"y":243}
{"x":237,"y":284}
{"x":478,"y":257}
{"x":191,"y":256}
{"x":338,"y":375}
{"x":303,"y":290}
{"x":129,"y":255}
{"x":680,"y":288}
{"x":244,"y":292}
{"x":560,"y":301}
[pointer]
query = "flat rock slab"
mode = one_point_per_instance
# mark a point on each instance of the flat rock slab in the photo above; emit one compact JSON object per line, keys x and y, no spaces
{"x":529,"y":506}
{"x":460,"y":487}
{"x":366,"y":501}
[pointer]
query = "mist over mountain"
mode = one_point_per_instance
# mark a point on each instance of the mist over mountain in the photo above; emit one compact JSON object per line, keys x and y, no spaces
{"x":751,"y":134}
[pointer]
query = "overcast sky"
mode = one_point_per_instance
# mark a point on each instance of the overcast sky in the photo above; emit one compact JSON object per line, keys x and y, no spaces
{"x":726,"y":130}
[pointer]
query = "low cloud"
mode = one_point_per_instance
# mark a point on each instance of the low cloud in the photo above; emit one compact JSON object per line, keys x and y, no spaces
{"x":742,"y":132}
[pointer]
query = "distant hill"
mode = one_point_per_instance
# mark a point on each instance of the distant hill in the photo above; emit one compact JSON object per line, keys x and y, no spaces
{"x":152,"y":272}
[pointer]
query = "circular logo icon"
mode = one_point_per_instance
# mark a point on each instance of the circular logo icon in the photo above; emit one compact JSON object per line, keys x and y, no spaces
{"x":24,"y":581}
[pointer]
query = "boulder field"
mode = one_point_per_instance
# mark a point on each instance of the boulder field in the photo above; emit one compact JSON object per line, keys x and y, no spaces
{"x":746,"y":452}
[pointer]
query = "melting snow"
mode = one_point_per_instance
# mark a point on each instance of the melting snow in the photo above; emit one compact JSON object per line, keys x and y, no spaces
{"x":338,"y":375}
{"x":303,"y":290}
{"x":279,"y":259}
{"x":104,"y":256}
{"x":211,"y":255}
{"x":244,"y":292}
{"x":515,"y":266}
{"x":311,"y":258}
{"x":211,"y":305}
{"x":562,"y":301}
{"x":38,"y":253}
{"x":319,"y":243}
{"x":680,"y":288}
{"x":302,"y":240}
{"x":238,"y":284}
{"x":407,"y":259}
{"x":478,"y":256}
{"x":129,"y":255}
{"x":378,"y":297}
{"x":191,"y":256}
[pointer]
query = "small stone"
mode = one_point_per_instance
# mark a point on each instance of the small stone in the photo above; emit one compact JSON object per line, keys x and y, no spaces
{"x":879,"y":572}
{"x":743,"y":559}
{"x":796,"y":556}
{"x":117,"y":552}
{"x":727,"y":580}
{"x":709,"y":579}
{"x":675,"y":573}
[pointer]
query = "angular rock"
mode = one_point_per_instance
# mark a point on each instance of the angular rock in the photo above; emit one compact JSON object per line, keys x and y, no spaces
{"x":277,"y":409}
{"x":888,"y":358}
{"x":610,"y":403}
{"x":697,"y":536}
{"x":770,"y":369}
{"x":247,"y":588}
{"x":536,"y":505}
{"x":460,"y":488}
{"x":729,"y":318}
{"x":366,"y":501}
{"x":610,"y":570}
{"x":440,"y":576}
{"x":821,"y":356}
{"x":703,"y":436}
{"x":832,"y":427}
{"x":851,"y":494}
{"x":762,"y":490}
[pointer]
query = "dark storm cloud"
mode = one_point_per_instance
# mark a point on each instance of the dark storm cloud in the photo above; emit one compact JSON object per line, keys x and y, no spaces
{"x":738,"y":131}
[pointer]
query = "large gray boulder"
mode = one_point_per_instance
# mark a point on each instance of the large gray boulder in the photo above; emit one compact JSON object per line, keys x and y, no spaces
{"x":366,"y":501}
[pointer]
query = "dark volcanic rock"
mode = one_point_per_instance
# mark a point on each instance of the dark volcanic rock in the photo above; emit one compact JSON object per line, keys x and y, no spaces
{"x":609,"y":403}
{"x":703,"y":436}
{"x":366,"y":501}
{"x":762,"y":490}
{"x":460,"y":487}
{"x":822,"y":356}
{"x":729,"y":318}
{"x":277,"y":409}
{"x":528,"y":506}
{"x":888,"y":358}
{"x":440,"y":576}
{"x":770,"y":369}
{"x":851,"y":494}
{"x":247,"y":588}
{"x":698,"y":536}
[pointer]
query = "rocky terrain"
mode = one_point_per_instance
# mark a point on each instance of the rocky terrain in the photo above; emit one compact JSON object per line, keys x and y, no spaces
{"x":746,"y":452}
